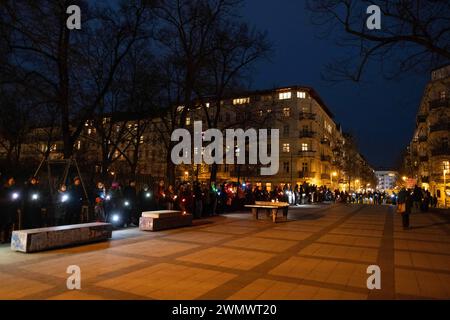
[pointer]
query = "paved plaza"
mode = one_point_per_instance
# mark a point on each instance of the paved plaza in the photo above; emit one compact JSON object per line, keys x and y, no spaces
{"x":322,"y":252}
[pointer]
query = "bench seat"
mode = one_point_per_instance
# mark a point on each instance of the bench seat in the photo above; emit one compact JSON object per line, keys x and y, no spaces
{"x":164,"y":219}
{"x":34,"y":240}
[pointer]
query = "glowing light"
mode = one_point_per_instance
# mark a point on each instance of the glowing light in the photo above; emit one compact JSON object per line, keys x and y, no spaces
{"x":108,"y":197}
{"x":64,"y":198}
{"x":15,"y":196}
{"x":115,"y":218}
{"x":126,"y":203}
{"x":35,"y":196}
{"x":148,"y":195}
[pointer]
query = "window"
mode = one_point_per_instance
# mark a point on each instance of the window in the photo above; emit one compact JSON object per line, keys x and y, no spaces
{"x":286,"y":130}
{"x":78,"y":146}
{"x":241,"y":101}
{"x":286,"y":147}
{"x":304,"y":147}
{"x":305,"y":167}
{"x":260,"y":113}
{"x":442,"y":95}
{"x":188,"y":121}
{"x":285,"y":95}
{"x":286,"y":167}
{"x":287,"y":112}
{"x":141,"y":140}
{"x":301,"y":95}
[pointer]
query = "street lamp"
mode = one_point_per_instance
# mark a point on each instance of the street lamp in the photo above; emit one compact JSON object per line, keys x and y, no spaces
{"x":333,"y":174}
{"x":446,"y":168}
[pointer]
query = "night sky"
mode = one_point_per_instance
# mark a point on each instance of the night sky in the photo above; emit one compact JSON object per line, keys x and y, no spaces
{"x":380,"y":113}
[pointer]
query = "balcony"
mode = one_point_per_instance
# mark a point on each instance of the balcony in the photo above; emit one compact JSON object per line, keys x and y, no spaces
{"x":439,"y":103}
{"x":423,"y":158}
{"x":421,"y":118}
{"x":308,"y":153}
{"x":306,"y":134}
{"x":440,"y":152}
{"x":306,"y":174}
{"x":442,"y":126}
{"x":307,"y":116}
{"x":423,"y":138}
{"x":325,"y":176}
{"x":325,"y":158}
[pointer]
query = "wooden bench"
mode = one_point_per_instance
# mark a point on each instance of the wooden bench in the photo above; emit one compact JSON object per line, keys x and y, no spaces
{"x":164,"y":219}
{"x":34,"y":240}
{"x":271,"y":208}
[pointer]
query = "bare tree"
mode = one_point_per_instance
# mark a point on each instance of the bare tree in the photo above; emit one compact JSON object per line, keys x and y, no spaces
{"x":78,"y":66}
{"x":414,"y":35}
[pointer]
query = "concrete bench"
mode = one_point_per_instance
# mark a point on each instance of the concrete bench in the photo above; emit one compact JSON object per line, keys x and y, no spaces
{"x":34,"y":240}
{"x":164,"y":219}
{"x":271,"y":208}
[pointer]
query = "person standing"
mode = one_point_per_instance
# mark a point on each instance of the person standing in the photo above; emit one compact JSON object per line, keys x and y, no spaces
{"x":145,"y":199}
{"x":76,"y":195}
{"x":130,"y":203}
{"x":404,"y":206}
{"x":32,"y":215}
{"x":62,"y":199}
{"x":10,"y":209}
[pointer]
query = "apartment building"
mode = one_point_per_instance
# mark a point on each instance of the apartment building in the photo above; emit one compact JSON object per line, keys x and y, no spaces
{"x":429,"y":151}
{"x":311,"y":142}
{"x":386,"y":179}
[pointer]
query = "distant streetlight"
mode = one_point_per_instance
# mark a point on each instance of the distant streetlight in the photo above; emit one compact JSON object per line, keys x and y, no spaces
{"x":446,"y":169}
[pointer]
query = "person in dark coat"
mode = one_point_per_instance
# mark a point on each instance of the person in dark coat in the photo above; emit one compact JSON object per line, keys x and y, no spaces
{"x":75,"y":204}
{"x":10,"y":209}
{"x":33,"y":199}
{"x":146,"y":199}
{"x":404,"y":197}
{"x":61,"y":201}
{"x":130,"y":204}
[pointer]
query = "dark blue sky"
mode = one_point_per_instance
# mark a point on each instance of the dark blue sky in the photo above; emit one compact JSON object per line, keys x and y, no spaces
{"x":380,"y":113}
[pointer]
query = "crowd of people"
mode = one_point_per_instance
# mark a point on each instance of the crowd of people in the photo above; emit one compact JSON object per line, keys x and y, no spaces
{"x":32,"y":206}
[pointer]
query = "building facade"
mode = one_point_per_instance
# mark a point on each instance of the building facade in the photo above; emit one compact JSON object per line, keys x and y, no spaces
{"x":311,"y":142}
{"x":386,"y":180}
{"x":428,"y":156}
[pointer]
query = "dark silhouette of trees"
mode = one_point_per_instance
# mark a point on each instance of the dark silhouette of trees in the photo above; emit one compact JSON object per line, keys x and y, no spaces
{"x":414,"y":35}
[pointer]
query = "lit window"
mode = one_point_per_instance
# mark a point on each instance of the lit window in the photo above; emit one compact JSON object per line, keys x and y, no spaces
{"x":241,"y":101}
{"x":207,"y":105}
{"x":78,"y":145}
{"x":260,"y":113}
{"x":301,"y":94}
{"x":89,"y":131}
{"x":188,"y":121}
{"x":285,"y":95}
{"x":286,"y":147}
{"x":304,"y":147}
{"x":287,"y":112}
{"x":141,"y":140}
